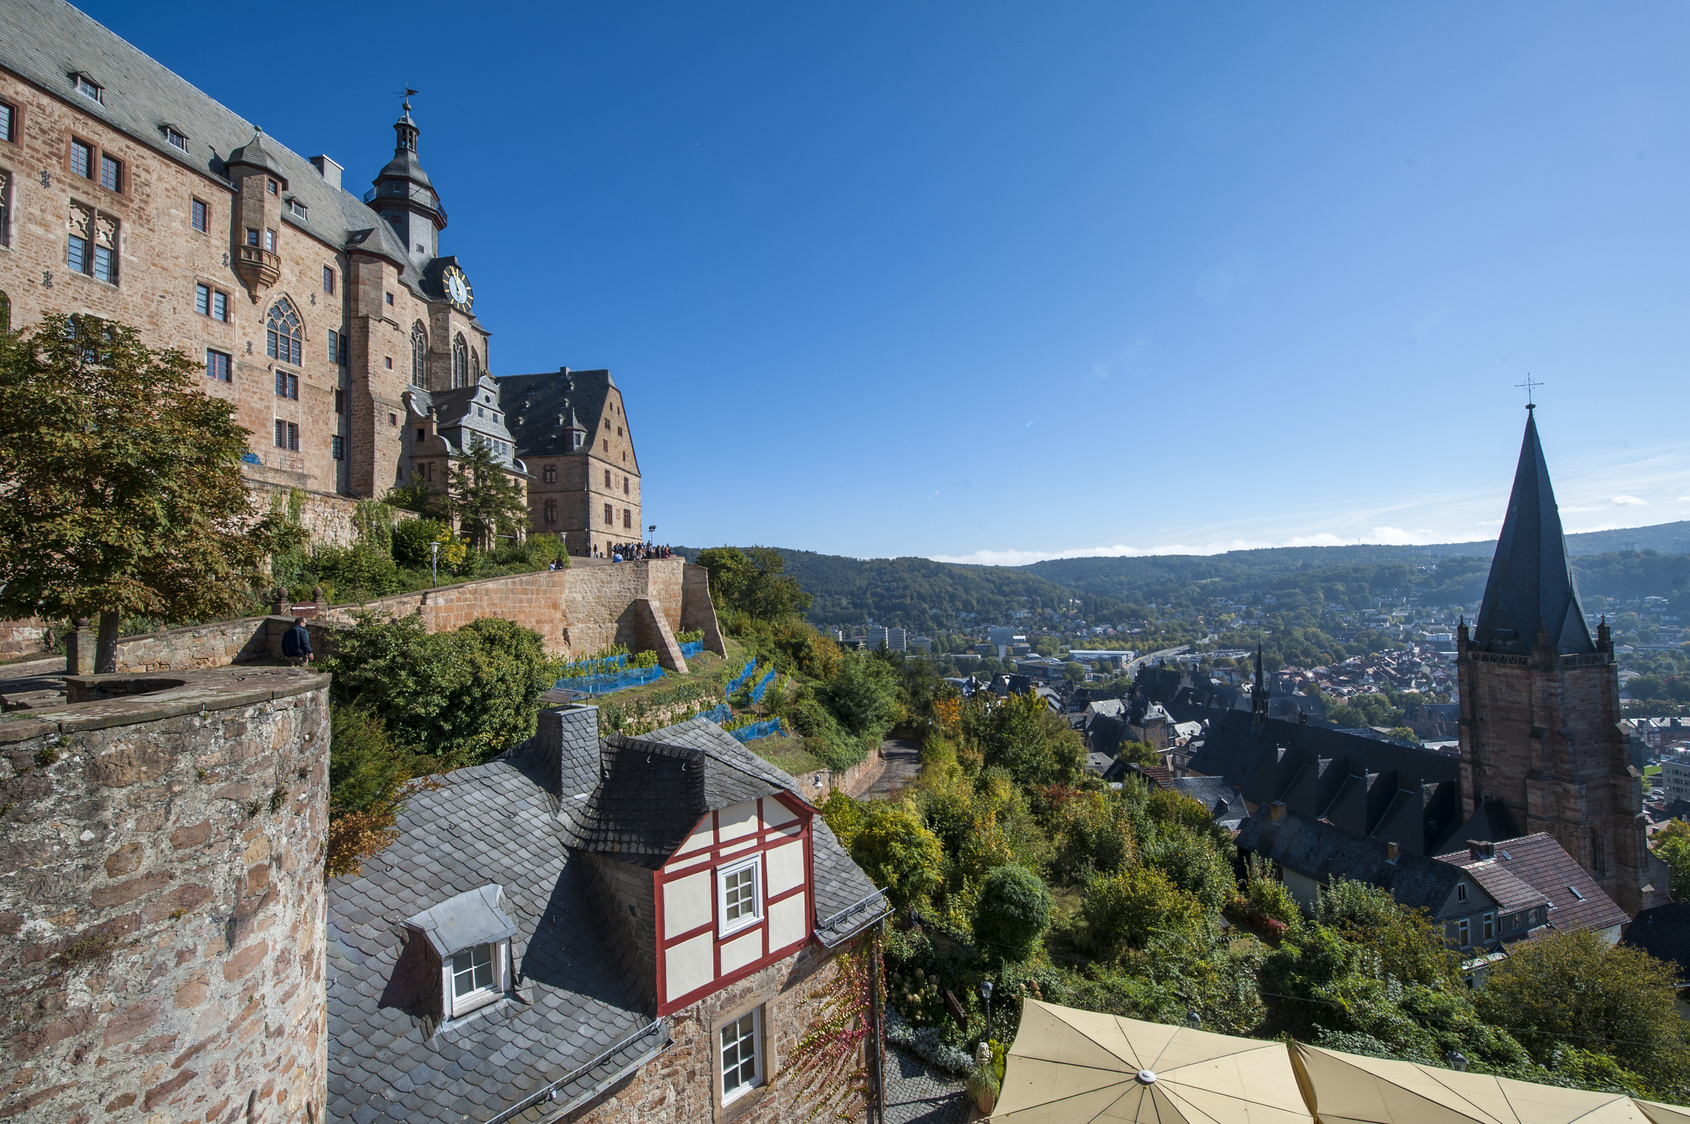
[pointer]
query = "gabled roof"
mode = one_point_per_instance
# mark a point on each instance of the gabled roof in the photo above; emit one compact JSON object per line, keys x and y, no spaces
{"x":533,"y":404}
{"x":1323,"y":852}
{"x":1530,"y":587}
{"x":471,"y":918}
{"x":1575,"y":900}
{"x":1224,"y":801}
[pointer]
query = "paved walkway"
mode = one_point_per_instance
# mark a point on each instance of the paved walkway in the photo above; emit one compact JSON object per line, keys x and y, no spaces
{"x":903,"y":762}
{"x":916,"y":1093}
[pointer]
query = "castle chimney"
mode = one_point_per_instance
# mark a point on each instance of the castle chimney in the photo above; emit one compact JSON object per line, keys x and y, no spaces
{"x":1276,"y":811}
{"x":1481,"y":849}
{"x":329,"y":169}
{"x":569,"y":746}
{"x":1391,"y":852}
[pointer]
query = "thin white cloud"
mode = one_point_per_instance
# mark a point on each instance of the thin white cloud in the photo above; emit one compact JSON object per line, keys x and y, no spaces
{"x":1387,"y":536}
{"x":1627,"y":501}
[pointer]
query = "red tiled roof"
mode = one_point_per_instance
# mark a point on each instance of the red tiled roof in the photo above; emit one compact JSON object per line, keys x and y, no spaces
{"x":1575,"y":900}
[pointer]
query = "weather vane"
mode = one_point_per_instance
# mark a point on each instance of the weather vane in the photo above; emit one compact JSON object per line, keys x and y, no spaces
{"x":1528,"y":386}
{"x":408,"y":95}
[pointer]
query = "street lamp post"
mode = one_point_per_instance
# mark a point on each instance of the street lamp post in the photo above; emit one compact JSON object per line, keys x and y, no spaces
{"x":651,"y":533}
{"x":986,"y":994}
{"x":434,"y":563}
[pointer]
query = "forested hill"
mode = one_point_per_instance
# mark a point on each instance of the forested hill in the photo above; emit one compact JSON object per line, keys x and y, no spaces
{"x":922,"y":594}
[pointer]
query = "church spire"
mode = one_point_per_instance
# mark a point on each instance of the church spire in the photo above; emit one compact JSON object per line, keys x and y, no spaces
{"x":1530,"y":590}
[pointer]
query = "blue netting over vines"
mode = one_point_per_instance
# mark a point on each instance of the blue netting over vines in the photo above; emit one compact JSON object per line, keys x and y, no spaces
{"x":762,"y":685}
{"x":692,"y":648}
{"x":742,"y":677}
{"x":718,"y":714}
{"x":611,"y":681}
{"x":756,"y":730}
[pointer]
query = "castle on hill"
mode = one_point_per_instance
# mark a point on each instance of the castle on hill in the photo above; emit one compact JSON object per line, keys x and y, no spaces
{"x":342,"y":336}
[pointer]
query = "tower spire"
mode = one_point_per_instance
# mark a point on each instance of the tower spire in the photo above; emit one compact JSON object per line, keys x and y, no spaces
{"x":1530,"y":590}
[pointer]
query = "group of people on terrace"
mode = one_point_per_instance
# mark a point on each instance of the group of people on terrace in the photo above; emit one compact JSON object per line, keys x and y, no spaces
{"x":637,"y":551}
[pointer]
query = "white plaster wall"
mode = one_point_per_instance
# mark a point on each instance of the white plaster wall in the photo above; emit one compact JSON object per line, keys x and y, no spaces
{"x":742,"y":950}
{"x":686,"y":904}
{"x":687,"y":966}
{"x":785,"y":866}
{"x":786,"y":921}
{"x":738,"y":820}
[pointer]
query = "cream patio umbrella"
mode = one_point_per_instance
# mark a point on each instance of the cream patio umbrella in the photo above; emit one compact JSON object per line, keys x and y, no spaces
{"x":1664,"y":1113}
{"x":1073,"y":1067}
{"x":1352,"y":1089}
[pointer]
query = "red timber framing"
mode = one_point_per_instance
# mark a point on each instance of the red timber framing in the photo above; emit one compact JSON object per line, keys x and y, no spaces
{"x":693,"y":858}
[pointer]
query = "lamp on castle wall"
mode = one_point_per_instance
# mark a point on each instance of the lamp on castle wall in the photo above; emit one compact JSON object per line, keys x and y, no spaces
{"x":434,"y":562}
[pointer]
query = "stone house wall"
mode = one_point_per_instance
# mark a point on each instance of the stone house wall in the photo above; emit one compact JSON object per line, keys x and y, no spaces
{"x":162,"y":903}
{"x":683,"y":1085}
{"x":20,"y":638}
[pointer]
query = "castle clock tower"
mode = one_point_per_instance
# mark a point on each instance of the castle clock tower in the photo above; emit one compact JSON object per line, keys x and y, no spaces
{"x":1540,"y":703}
{"x":405,"y":197}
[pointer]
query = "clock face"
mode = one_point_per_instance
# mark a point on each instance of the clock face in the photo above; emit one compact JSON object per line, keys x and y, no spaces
{"x":457,"y":288}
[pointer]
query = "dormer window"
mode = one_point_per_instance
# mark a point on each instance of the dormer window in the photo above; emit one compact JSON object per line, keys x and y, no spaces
{"x":296,"y":208}
{"x":175,"y":138}
{"x":88,"y":88}
{"x":739,"y":893}
{"x":469,"y":936}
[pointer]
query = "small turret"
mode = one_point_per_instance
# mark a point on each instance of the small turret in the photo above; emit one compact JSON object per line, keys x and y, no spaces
{"x":405,"y":196}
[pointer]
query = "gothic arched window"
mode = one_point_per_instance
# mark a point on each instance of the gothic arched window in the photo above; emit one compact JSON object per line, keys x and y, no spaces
{"x":283,"y":336}
{"x":419,"y":355}
{"x":460,"y":362}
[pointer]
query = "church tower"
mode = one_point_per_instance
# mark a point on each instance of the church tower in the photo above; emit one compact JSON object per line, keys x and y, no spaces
{"x":405,"y":196}
{"x":1540,"y":703}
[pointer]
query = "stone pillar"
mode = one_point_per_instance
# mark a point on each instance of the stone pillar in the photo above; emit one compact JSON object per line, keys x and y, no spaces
{"x":79,"y":649}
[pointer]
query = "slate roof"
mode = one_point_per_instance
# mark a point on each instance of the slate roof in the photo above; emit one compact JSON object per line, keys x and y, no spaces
{"x":1664,"y":933}
{"x":489,"y":823}
{"x":1324,"y":852}
{"x":1224,"y":801}
{"x":1530,"y":586}
{"x":45,"y":41}
{"x":578,"y":1021}
{"x":1541,"y":863}
{"x":533,"y":403}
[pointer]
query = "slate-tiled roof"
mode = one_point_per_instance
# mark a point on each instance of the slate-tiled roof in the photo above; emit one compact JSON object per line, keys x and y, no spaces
{"x":489,"y":823}
{"x":579,"y":1020}
{"x":1541,"y":863}
{"x":533,"y":403}
{"x":1323,"y":852}
{"x":1224,"y":801}
{"x":1664,"y":933}
{"x":46,"y":41}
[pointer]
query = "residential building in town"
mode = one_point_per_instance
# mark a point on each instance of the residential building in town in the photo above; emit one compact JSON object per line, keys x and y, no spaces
{"x":1540,"y":712}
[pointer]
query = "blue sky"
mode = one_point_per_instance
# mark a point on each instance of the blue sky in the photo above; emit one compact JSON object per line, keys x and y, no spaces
{"x":997,"y":282}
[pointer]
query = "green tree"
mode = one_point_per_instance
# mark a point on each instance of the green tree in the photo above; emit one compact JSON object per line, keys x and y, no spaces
{"x":368,"y":782}
{"x":1011,"y":913}
{"x":485,"y":498}
{"x":122,"y":484}
{"x":1126,"y":912}
{"x":753,"y":581}
{"x":1672,"y":844}
{"x":460,"y":697}
{"x":1575,"y":989}
{"x":863,"y":694}
{"x":1023,"y":735}
{"x":891,"y":844}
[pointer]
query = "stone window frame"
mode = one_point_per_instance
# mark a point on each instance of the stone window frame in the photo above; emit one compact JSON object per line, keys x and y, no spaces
{"x":419,"y":355}
{"x":87,"y":87}
{"x":7,"y":181}
{"x":211,"y":294}
{"x":337,"y":447}
{"x":550,"y":513}
{"x":199,"y":212}
{"x":609,"y":515}
{"x":329,"y":280}
{"x":768,"y":1058}
{"x":92,"y":152}
{"x":112,"y":176}
{"x":287,"y":435}
{"x":548,"y":474}
{"x":9,"y":134}
{"x":460,"y":361}
{"x":219,"y":365}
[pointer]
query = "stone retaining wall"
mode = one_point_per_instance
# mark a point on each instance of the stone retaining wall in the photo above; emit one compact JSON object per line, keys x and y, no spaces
{"x":854,"y":781}
{"x":22,"y":638}
{"x":162,"y":906}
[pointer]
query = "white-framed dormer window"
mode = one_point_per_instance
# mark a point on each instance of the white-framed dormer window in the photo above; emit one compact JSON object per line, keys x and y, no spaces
{"x":739,"y":893}
{"x":742,"y":1055}
{"x":175,"y":138}
{"x":477,"y":976}
{"x":296,"y":208}
{"x":88,"y":88}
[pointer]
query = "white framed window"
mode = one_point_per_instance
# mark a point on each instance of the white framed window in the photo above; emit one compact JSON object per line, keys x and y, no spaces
{"x":175,"y":138}
{"x":739,"y":892}
{"x":89,"y":88}
{"x":1463,"y":934}
{"x":1490,"y":926}
{"x":475,"y":977}
{"x":742,"y":1055}
{"x":296,"y":208}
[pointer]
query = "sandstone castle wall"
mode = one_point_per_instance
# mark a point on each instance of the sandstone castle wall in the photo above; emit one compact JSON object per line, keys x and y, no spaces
{"x":162,"y":903}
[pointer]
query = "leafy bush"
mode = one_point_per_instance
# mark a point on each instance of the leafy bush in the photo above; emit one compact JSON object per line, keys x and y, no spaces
{"x":863,"y":695}
{"x":411,"y":538}
{"x":356,"y":573}
{"x":891,"y":844}
{"x":368,"y":777}
{"x":1126,"y":911}
{"x":459,"y":697}
{"x":1011,"y":913}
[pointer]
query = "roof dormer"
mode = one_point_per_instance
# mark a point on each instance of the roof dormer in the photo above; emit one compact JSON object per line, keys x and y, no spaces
{"x":467,"y":940}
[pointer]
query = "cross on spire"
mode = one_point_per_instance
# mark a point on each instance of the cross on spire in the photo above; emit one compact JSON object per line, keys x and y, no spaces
{"x":1528,"y":386}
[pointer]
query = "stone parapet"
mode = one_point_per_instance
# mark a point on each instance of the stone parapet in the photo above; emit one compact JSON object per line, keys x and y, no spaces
{"x":161,"y":901}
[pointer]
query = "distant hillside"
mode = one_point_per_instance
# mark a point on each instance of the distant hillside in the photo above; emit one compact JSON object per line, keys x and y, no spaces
{"x":922,"y":594}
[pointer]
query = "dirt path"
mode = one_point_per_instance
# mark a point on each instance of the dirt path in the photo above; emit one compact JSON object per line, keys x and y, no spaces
{"x":903,"y":761}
